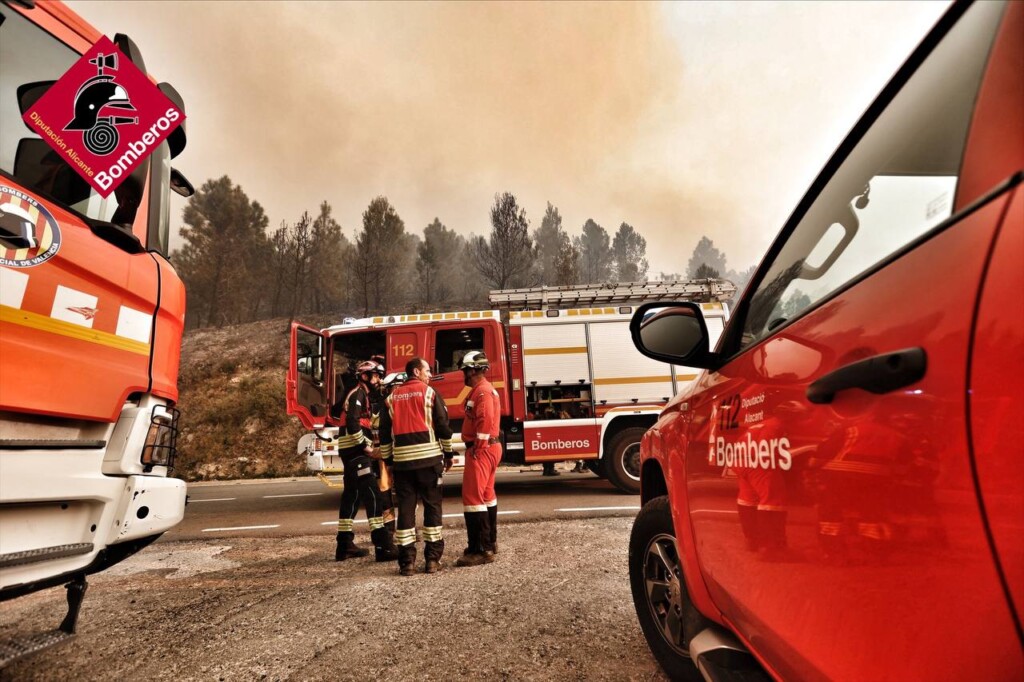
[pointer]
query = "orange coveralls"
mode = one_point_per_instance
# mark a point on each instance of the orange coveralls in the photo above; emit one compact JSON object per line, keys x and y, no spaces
{"x":480,"y":431}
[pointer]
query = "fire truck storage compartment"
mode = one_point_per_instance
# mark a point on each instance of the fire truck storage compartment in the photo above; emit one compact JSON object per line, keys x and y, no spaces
{"x":621,"y":374}
{"x":560,"y":401}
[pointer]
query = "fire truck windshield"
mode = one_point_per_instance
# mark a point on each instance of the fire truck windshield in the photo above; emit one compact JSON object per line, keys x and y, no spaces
{"x":30,"y":55}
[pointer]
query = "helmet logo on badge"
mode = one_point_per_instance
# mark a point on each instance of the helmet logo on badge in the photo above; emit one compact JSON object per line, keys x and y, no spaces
{"x":93,"y":104}
{"x":29,"y":235}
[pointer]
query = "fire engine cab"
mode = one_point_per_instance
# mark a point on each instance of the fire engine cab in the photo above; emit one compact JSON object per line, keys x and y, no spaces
{"x":571,"y":384}
{"x":91,"y":319}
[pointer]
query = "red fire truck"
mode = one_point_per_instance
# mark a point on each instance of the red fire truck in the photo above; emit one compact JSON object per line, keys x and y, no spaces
{"x":91,"y":318}
{"x":572,"y":385}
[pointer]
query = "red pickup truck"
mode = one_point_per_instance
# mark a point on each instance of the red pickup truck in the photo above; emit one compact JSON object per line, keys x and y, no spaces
{"x":841,"y":493}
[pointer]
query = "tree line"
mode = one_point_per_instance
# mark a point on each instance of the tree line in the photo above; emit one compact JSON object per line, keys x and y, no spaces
{"x":236,"y":271}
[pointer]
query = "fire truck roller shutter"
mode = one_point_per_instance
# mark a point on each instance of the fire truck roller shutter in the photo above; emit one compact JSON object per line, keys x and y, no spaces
{"x":556,"y":352}
{"x":621,"y":374}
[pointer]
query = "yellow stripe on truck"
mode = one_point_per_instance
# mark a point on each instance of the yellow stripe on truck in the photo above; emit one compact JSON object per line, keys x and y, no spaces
{"x":24,"y":318}
{"x":632,"y":380}
{"x":567,"y":350}
{"x":457,"y":400}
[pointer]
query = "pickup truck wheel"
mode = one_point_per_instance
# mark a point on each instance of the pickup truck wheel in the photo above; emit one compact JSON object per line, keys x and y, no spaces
{"x":659,"y":590}
{"x":621,"y":464}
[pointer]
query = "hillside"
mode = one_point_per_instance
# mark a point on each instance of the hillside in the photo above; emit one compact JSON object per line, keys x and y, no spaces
{"x":233,"y":420}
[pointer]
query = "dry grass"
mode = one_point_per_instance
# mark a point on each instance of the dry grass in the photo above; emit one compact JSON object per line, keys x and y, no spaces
{"x":232,"y":401}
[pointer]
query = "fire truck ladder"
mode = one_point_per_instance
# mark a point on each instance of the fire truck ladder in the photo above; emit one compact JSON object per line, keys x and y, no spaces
{"x":540,"y":298}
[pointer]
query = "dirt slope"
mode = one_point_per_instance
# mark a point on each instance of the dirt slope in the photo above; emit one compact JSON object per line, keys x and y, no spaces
{"x":233,"y":420}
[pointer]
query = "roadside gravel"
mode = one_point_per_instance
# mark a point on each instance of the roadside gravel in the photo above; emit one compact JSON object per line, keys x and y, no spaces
{"x":554,"y":606}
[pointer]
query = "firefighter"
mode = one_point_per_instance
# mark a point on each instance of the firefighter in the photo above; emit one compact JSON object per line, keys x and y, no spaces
{"x":416,"y":437}
{"x":355,"y":447}
{"x":480,"y":431}
{"x":384,"y":472}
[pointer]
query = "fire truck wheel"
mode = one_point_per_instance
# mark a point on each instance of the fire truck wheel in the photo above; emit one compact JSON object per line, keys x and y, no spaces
{"x":621,"y":463}
{"x":659,"y":591}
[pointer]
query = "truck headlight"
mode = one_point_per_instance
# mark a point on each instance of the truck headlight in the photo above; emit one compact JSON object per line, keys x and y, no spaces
{"x":161,"y":441}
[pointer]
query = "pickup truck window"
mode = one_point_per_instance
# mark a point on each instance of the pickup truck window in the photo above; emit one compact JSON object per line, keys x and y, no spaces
{"x":898,"y":183}
{"x":28,"y":55}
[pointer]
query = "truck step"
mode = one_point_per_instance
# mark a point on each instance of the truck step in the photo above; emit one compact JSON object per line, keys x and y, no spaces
{"x":720,"y":657}
{"x":20,"y":647}
{"x":31,"y":556}
{"x":50,"y":444}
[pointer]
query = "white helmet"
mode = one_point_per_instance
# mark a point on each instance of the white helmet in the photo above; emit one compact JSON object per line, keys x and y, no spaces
{"x":475,"y":359}
{"x":370,"y":367}
{"x":395,"y":378}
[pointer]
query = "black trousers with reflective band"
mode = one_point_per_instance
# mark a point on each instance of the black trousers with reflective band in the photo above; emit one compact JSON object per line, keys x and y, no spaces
{"x":361,"y":485}
{"x":412,"y":487}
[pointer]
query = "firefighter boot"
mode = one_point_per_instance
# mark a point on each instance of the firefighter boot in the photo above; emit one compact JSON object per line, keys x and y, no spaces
{"x":384,"y":548}
{"x":347,"y":549}
{"x":480,"y":538}
{"x":748,"y":523}
{"x":484,"y":557}
{"x":432,"y":551}
{"x":485,"y":532}
{"x":492,"y":515}
{"x":472,"y":534}
{"x":406,"y":559}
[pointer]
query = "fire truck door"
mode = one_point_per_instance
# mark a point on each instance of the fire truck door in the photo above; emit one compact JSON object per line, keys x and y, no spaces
{"x":307,"y":391}
{"x":76,"y":313}
{"x":403,"y":346}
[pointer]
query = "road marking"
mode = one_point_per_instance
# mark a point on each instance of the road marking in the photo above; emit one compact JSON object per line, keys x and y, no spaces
{"x":214,"y":530}
{"x":714,"y":511}
{"x":213,"y":499}
{"x":453,"y":516}
{"x":585,"y":509}
{"x":267,"y":497}
{"x":443,"y":516}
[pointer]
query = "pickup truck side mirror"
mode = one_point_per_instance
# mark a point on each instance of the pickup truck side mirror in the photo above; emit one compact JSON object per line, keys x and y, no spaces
{"x":674,"y":333}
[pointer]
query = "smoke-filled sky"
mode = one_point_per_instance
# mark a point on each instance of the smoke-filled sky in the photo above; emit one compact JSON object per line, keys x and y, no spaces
{"x":683,"y":119}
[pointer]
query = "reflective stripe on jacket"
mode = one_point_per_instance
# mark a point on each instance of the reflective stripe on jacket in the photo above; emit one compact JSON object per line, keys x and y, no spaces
{"x":356,"y":432}
{"x":414,"y":430}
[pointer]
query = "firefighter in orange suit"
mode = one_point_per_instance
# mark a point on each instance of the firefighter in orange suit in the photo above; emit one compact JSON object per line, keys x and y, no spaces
{"x":480,"y":431}
{"x":416,"y":437}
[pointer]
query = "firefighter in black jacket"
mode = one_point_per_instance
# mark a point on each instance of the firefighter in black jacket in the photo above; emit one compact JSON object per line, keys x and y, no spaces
{"x":355,"y":446}
{"x":416,"y":437}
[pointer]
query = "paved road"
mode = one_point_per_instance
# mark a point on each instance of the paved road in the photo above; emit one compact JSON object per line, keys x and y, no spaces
{"x":283,"y":508}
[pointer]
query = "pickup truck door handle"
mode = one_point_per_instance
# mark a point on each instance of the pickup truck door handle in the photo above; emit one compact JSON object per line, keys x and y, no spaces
{"x":437,"y":378}
{"x":878,"y":374}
